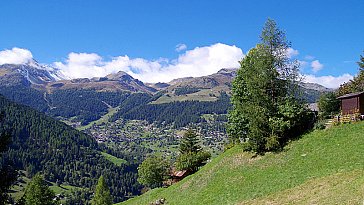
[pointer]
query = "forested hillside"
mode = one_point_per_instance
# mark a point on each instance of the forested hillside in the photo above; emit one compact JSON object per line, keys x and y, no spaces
{"x":82,"y":105}
{"x":61,"y":153}
{"x":178,"y":113}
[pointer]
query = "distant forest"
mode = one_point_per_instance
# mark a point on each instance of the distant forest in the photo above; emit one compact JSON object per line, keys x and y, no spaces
{"x":61,"y":153}
{"x":177,"y":113}
{"x":85,"y":105}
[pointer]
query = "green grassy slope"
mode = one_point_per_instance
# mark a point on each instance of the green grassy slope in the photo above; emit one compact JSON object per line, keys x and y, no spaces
{"x":18,"y":189}
{"x":324,"y":167}
{"x":113,"y":159}
{"x":103,"y":119}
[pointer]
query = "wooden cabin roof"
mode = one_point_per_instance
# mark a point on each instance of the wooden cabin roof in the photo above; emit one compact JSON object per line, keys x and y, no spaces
{"x":179,"y":173}
{"x":350,"y":95}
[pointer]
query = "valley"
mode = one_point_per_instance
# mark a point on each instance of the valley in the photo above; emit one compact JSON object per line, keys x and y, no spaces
{"x":181,"y":103}
{"x":127,"y":119}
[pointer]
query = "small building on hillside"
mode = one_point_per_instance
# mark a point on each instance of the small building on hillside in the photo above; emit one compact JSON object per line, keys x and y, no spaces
{"x":352,"y":103}
{"x":179,"y":175}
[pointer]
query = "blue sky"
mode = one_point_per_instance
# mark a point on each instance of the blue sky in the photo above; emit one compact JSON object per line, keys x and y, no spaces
{"x":331,"y":33}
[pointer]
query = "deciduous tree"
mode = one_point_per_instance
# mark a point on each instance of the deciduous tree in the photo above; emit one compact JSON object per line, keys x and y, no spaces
{"x":265,"y":109}
{"x":328,"y":105}
{"x":153,"y":171}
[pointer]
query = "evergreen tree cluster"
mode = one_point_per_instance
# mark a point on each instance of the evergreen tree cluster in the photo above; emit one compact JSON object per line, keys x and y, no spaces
{"x":26,"y":96}
{"x":7,"y":172}
{"x":85,"y":104}
{"x":61,"y":153}
{"x":178,"y":113}
{"x":155,"y":170}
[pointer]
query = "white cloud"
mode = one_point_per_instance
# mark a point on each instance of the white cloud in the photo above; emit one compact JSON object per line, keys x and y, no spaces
{"x":328,"y":81}
{"x":309,"y":57}
{"x":292,"y":52}
{"x":316,"y":66}
{"x":303,"y":64}
{"x":192,"y":63}
{"x":200,"y":61}
{"x":181,"y":47}
{"x":15,"y":56}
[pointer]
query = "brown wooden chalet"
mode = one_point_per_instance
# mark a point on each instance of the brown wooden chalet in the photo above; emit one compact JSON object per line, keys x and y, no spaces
{"x":352,"y":103}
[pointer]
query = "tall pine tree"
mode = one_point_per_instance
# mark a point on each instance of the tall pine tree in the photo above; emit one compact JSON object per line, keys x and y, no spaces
{"x":102,"y":193}
{"x":189,"y":142}
{"x":191,"y":155}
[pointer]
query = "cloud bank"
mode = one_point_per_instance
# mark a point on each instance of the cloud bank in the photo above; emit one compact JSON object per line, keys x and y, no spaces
{"x":199,"y":61}
{"x":192,"y":63}
{"x":328,"y":81}
{"x":15,"y":56}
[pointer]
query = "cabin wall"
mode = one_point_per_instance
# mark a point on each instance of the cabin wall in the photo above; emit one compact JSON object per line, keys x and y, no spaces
{"x":349,"y":105}
{"x":361,"y":103}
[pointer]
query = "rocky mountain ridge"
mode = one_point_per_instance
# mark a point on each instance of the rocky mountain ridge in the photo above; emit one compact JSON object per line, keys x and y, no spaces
{"x":42,"y":77}
{"x":206,"y":88}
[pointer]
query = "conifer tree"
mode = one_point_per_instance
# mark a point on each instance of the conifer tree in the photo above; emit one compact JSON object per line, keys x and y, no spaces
{"x":189,"y":142}
{"x":191,"y":155}
{"x":38,"y":192}
{"x":102,"y":193}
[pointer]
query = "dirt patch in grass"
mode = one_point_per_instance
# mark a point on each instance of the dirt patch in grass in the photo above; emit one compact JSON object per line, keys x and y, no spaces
{"x":185,"y":185}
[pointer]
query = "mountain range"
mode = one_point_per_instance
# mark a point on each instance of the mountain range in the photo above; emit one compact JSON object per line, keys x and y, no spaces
{"x":82,"y":100}
{"x":48,"y":79}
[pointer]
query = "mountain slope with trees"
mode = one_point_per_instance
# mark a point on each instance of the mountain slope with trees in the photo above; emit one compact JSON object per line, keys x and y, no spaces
{"x":63,"y":154}
{"x":81,"y":101}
